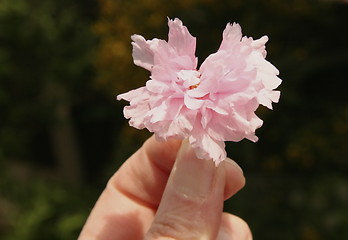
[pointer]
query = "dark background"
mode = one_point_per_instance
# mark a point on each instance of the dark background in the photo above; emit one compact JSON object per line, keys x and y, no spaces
{"x":62,"y":133}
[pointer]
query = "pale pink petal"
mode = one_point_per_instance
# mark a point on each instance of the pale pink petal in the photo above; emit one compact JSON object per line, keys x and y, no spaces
{"x":220,"y":110}
{"x":179,"y":126}
{"x":133,"y":95}
{"x":259,"y":45}
{"x":231,"y":35}
{"x":163,"y":73}
{"x":210,"y":105}
{"x":207,"y":115}
{"x":206,"y":147}
{"x":182,"y":125}
{"x":158,"y":113}
{"x":143,"y":56}
{"x":193,"y":103}
{"x":181,"y":40}
{"x":269,"y":79}
{"x":190,"y":78}
{"x":266,"y":97}
{"x":165,"y":54}
{"x":155,"y":86}
{"x":137,"y":115}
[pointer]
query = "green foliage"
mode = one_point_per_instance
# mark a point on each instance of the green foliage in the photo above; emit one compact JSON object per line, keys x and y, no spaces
{"x":42,"y":208}
{"x":42,"y":43}
{"x":45,"y":46}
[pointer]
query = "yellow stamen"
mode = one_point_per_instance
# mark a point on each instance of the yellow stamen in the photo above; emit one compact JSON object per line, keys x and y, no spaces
{"x":193,"y":86}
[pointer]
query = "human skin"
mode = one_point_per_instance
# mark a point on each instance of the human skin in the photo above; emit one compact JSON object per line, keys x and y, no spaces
{"x":163,"y":191}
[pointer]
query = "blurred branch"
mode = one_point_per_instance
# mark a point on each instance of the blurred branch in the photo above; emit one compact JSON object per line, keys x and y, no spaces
{"x":62,"y":132}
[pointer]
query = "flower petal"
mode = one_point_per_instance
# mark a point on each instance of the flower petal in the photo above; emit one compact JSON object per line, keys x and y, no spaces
{"x":206,"y":147}
{"x":259,"y":45}
{"x":266,"y":97}
{"x":156,"y":86}
{"x":231,"y":36}
{"x":182,"y":41}
{"x":143,"y":56}
{"x":133,"y":95}
{"x":211,"y":105}
{"x":193,"y":103}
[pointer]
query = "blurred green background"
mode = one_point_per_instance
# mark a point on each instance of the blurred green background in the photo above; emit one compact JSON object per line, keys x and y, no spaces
{"x":62,"y":133}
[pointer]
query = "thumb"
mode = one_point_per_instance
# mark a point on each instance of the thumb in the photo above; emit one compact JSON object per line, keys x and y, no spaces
{"x":191,"y":205}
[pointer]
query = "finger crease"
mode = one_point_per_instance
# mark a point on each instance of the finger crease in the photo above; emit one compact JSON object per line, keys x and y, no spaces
{"x":135,"y":198}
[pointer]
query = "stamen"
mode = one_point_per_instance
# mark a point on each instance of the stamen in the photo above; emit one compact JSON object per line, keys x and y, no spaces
{"x":193,"y":86}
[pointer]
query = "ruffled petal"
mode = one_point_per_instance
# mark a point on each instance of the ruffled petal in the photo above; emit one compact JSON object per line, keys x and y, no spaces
{"x":143,"y":56}
{"x":259,"y":45}
{"x":193,"y":103}
{"x":266,"y":97}
{"x":231,"y":36}
{"x":206,"y":147}
{"x":214,"y":104}
{"x":156,"y":86}
{"x":134,"y":96}
{"x":182,"y":41}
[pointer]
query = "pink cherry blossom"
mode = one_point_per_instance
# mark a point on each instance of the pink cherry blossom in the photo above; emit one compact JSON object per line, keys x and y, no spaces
{"x":209,"y":105}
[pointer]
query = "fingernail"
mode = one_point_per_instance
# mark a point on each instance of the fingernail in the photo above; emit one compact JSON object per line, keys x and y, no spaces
{"x":192,"y":176}
{"x":229,"y":161}
{"x":223,"y":235}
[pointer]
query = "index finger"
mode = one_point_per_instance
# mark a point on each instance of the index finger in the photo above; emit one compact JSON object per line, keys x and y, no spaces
{"x":133,"y":193}
{"x":144,"y":175}
{"x":127,"y":206}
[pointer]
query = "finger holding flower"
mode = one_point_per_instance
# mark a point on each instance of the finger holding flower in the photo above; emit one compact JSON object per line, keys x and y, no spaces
{"x":166,"y":187}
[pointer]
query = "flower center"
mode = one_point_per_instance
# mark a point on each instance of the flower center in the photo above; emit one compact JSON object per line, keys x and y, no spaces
{"x":191,"y":78}
{"x":193,"y":86}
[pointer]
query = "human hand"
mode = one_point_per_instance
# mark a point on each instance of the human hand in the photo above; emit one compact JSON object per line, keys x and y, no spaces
{"x":164,"y":192}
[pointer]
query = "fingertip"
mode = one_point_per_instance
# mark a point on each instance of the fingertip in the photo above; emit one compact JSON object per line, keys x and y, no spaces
{"x":233,"y":164}
{"x":144,"y":175}
{"x":233,"y":227}
{"x":162,"y":153}
{"x":235,"y":179}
